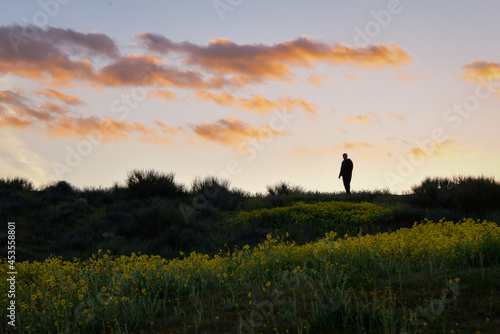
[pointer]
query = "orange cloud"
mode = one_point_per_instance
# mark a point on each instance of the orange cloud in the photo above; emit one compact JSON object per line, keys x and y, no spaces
{"x":168,"y":129}
{"x":402,"y":76}
{"x":161,"y":94}
{"x":254,"y":62}
{"x":89,"y":45}
{"x":437,"y":149}
{"x":54,"y":107}
{"x":348,"y":77}
{"x":233,"y":132}
{"x":137,"y":70}
{"x":60,"y":57}
{"x":221,"y":99}
{"x":50,"y":53}
{"x":13,"y":121}
{"x":394,"y":116}
{"x":7,"y":96}
{"x":40,"y":60}
{"x":334,"y":150}
{"x":361,"y":119}
{"x":481,"y":71}
{"x":55,"y":121}
{"x":52,"y":57}
{"x":15,"y":110}
{"x":353,"y":146}
{"x":316,"y":79}
{"x":108,"y":129}
{"x":258,"y":103}
{"x":40,"y":115}
{"x":300,"y":150}
{"x":68,"y":99}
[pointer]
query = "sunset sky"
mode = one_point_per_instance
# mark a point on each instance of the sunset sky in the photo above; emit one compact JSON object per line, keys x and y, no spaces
{"x":254,"y":91}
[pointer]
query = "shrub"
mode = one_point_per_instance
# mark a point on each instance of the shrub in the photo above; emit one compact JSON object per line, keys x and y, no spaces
{"x":98,"y":195}
{"x":58,"y":191}
{"x":284,"y":188}
{"x":216,"y":191}
{"x":434,"y":192}
{"x":477,"y":194}
{"x":16,"y":184}
{"x":151,"y":183}
{"x":467,"y":194}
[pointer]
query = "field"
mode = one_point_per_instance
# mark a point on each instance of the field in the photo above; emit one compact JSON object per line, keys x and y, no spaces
{"x":326,"y":264}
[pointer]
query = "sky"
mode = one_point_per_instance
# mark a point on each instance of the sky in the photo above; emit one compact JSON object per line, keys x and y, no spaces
{"x":255,"y":92}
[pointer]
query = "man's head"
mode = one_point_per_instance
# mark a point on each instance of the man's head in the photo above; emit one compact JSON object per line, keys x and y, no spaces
{"x":344,"y":155}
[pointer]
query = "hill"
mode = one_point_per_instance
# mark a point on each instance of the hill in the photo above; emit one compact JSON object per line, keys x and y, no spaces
{"x":153,"y":257}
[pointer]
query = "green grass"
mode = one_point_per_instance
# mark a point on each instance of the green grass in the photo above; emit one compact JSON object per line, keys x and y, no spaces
{"x":436,"y":277}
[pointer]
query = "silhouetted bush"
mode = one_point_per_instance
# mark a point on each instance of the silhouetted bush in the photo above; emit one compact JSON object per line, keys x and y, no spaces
{"x":255,"y":202}
{"x":97,"y":195}
{"x":434,"y":192}
{"x":216,"y":191}
{"x":151,"y":183}
{"x":477,"y":194}
{"x":59,"y":191}
{"x":467,"y":194}
{"x":15,"y":184}
{"x":284,"y":188}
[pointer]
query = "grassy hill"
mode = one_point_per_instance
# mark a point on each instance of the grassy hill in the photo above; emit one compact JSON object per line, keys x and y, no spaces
{"x":152,"y":257}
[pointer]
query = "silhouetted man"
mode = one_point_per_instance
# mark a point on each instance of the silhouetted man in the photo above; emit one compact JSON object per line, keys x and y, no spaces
{"x":346,"y":173}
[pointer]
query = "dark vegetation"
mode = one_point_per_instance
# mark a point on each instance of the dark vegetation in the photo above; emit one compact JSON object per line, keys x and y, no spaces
{"x":153,"y":214}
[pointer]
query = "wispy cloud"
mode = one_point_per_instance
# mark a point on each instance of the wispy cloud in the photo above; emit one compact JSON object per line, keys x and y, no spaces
{"x":60,"y":121}
{"x":233,"y":132}
{"x":316,"y":79}
{"x":444,"y":149}
{"x":348,"y":77}
{"x":361,"y":119}
{"x":258,"y":103}
{"x":167,"y":128}
{"x":68,"y":99}
{"x":109,"y":129}
{"x":334,"y":150}
{"x":139,"y":70}
{"x":17,"y":160}
{"x":54,"y":107}
{"x":47,"y":56}
{"x":406,"y":77}
{"x":161,"y":94}
{"x":394,"y":116}
{"x":482,"y":71}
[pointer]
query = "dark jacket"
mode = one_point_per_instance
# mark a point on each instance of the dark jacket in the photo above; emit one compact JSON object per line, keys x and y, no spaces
{"x":346,"y":168}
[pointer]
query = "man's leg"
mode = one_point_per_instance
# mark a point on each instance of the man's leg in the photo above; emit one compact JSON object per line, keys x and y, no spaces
{"x":347,"y":184}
